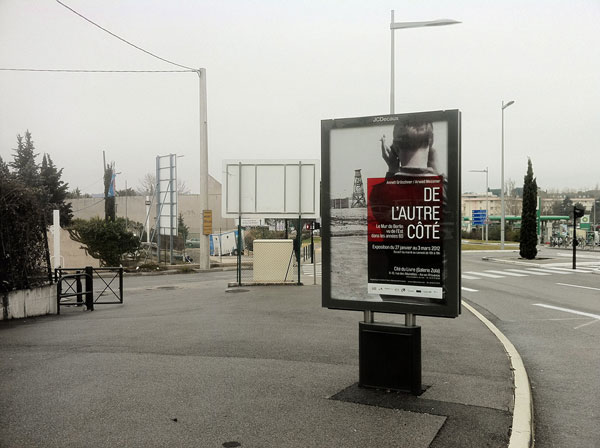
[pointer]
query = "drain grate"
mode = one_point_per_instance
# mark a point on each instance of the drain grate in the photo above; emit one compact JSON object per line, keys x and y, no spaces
{"x":234,"y":290}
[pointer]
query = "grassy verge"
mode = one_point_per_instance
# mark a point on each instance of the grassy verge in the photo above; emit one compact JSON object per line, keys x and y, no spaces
{"x":490,"y":245}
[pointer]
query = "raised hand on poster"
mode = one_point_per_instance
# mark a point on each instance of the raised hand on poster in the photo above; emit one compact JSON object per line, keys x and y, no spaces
{"x":389,"y":156}
{"x":432,"y":159}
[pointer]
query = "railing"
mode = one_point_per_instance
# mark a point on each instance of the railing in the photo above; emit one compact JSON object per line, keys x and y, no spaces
{"x":109,"y":285}
{"x":73,"y":289}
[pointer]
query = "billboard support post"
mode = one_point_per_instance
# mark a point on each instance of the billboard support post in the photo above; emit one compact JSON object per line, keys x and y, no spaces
{"x":390,"y":357}
{"x":171,"y":201}
{"x":239,"y":235}
{"x":299,"y":232}
{"x":158,"y":209}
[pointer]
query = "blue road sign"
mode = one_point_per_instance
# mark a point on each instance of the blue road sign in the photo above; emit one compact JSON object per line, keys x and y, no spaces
{"x":478,"y":217}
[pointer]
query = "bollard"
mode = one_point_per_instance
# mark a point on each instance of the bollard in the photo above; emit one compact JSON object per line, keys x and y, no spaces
{"x":79,"y":290}
{"x":89,"y":288}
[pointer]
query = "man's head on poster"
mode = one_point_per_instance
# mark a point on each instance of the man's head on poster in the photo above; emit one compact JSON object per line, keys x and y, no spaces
{"x":412,"y":148}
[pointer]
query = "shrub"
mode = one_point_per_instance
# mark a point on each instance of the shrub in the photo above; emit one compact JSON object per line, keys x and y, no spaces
{"x":107,"y":241}
{"x":260,"y":233}
{"x":23,"y":248}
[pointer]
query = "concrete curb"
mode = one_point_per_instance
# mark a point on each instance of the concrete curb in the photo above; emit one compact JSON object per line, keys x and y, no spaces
{"x":176,"y":271}
{"x":522,"y":431}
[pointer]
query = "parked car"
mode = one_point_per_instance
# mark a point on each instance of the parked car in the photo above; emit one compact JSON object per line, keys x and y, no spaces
{"x":192,"y":242}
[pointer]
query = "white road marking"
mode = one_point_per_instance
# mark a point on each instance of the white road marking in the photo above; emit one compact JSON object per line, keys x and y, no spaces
{"x":522,"y":424}
{"x":512,"y":274}
{"x":468,"y":277}
{"x":585,"y":325}
{"x":578,"y":286}
{"x":567,"y":310}
{"x":483,"y":274}
{"x":578,"y":270}
{"x":523,"y":271}
{"x":550,"y":271}
{"x":469,"y":289}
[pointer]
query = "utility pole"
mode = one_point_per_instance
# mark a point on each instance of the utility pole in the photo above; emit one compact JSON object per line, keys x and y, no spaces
{"x":204,"y":243}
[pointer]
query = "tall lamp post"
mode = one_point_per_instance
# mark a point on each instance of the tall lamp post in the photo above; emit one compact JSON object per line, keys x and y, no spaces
{"x":410,"y":318}
{"x":502,"y":222}
{"x":487,"y":207}
{"x":404,"y":25}
{"x":204,"y":239}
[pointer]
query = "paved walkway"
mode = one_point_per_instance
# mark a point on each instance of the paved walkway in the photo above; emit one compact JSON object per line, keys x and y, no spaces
{"x":187,"y":362}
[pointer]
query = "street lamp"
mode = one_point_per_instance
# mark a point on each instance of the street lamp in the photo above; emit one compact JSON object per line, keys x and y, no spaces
{"x":404,"y":25}
{"x":487,"y":208}
{"x":204,"y":239}
{"x":502,"y":222}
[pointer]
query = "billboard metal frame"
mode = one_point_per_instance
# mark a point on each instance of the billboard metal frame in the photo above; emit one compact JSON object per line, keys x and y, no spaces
{"x":450,"y":305}
{"x":166,"y":200}
{"x":255,"y":199}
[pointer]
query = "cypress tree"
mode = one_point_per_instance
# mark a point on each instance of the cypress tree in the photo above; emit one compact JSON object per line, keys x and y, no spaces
{"x":55,"y":191}
{"x":528,"y":244}
{"x":4,"y":171}
{"x":23,"y":164}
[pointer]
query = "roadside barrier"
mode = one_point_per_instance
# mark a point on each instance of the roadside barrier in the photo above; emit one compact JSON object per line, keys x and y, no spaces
{"x":69,"y":290}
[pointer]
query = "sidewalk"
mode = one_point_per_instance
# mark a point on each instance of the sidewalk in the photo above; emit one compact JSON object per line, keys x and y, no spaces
{"x":186,"y":362}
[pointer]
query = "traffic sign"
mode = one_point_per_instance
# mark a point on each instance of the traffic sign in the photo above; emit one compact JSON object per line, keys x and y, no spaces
{"x":478,"y":217}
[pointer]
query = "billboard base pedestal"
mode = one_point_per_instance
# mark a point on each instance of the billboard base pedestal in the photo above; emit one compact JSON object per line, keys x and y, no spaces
{"x":390,"y":357}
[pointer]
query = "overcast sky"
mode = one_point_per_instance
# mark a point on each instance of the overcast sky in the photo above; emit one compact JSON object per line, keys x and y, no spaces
{"x":275,"y":69}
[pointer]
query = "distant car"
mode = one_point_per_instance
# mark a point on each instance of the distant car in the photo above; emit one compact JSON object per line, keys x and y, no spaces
{"x":193,"y":242}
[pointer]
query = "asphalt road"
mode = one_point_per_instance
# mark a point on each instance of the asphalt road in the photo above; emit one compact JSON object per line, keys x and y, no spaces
{"x":551,"y":314}
{"x":186,"y":361}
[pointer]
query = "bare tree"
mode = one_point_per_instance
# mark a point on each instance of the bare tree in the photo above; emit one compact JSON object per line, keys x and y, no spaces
{"x":512,"y":202}
{"x":148,"y":185}
{"x":509,"y":187}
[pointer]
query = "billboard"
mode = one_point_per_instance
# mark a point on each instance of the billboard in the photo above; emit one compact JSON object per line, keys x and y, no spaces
{"x":271,"y":188}
{"x":166,"y":194}
{"x":391,"y":213}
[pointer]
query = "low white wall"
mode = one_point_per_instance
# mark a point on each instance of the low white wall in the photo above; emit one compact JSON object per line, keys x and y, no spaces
{"x":29,"y":302}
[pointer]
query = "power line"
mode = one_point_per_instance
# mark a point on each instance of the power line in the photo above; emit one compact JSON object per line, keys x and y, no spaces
{"x":124,"y":40}
{"x":88,"y":206}
{"x":65,"y":70}
{"x":93,"y":183}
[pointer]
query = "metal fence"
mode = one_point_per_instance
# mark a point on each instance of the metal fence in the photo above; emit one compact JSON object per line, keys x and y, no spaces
{"x":102,"y":286}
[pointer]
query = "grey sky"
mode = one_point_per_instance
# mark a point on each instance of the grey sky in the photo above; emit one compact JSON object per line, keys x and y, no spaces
{"x":275,"y":69}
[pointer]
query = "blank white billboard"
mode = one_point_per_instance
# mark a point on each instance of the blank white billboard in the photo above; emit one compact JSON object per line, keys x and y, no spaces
{"x":271,"y":188}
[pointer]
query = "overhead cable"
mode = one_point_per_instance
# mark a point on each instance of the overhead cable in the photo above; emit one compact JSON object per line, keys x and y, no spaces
{"x":124,"y":40}
{"x":64,"y":70}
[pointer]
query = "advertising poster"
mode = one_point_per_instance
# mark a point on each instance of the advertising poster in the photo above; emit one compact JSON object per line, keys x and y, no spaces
{"x":404,"y":217}
{"x":391,"y":213}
